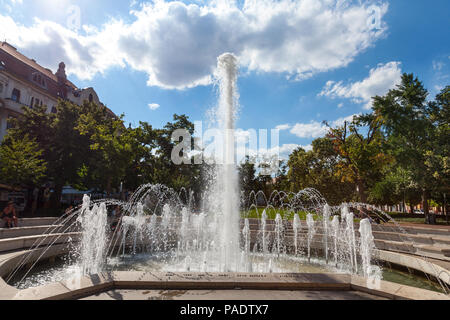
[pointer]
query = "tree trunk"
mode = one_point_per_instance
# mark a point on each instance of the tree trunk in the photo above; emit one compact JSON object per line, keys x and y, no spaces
{"x":426,"y":208}
{"x":362,"y":191}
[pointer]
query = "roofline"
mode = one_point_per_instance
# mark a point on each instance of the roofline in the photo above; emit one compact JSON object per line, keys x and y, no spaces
{"x":28,"y":83}
{"x":34,"y":65}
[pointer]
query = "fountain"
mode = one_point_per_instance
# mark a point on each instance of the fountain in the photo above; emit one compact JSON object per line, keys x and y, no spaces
{"x":227,"y":176}
{"x":297,"y":225}
{"x":162,"y":230}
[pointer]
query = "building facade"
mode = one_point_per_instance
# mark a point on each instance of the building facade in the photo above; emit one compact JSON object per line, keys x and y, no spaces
{"x":24,"y":83}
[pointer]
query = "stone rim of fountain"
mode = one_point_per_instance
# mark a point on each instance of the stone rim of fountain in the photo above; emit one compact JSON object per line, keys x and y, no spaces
{"x":77,"y":288}
{"x":95,"y":284}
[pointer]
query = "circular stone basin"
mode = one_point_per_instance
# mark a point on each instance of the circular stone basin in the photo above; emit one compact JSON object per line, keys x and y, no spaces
{"x":63,"y":268}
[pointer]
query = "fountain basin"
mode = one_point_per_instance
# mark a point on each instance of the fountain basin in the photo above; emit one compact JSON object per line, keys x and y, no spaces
{"x":337,"y":283}
{"x":302,"y":268}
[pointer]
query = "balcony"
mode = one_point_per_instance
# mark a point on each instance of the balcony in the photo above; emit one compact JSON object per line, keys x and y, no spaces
{"x":14,"y":106}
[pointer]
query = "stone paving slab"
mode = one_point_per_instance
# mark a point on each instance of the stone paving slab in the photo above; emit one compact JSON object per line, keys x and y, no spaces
{"x":54,"y":291}
{"x":7,"y":292}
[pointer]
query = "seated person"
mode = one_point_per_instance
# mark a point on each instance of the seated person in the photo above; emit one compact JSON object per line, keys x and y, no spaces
{"x":9,"y":216}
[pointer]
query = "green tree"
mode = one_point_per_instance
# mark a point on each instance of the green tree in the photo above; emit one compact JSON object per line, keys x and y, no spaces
{"x":437,"y":160}
{"x":111,"y":148}
{"x":405,"y":115}
{"x":166,"y":172}
{"x":21,"y":162}
{"x":320,"y":169}
{"x":64,"y":150}
{"x":247,"y":177}
{"x":362,"y":155}
{"x":397,"y":185}
{"x":281,"y":177}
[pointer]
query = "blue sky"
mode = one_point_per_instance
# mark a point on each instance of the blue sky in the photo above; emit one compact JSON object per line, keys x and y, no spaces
{"x":302,"y":62}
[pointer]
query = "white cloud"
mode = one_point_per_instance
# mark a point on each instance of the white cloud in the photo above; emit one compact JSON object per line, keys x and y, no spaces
{"x":285,"y":150}
{"x":313,"y":129}
{"x":381,"y":79}
{"x":153,"y":106}
{"x":340,"y":122}
{"x":283,"y":127}
{"x":176,"y":44}
{"x":316,"y":129}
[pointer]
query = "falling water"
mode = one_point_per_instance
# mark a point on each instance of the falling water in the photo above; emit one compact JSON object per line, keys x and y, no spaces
{"x":335,"y":228}
{"x":311,"y":232}
{"x":93,"y":242}
{"x":297,"y":225}
{"x":246,"y":235}
{"x":367,"y":245}
{"x":227,"y":176}
{"x":278,"y":234}
{"x":263,"y":231}
{"x":326,"y":222}
{"x":351,"y":239}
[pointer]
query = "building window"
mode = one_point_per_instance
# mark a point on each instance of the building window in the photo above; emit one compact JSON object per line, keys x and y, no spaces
{"x":31,"y":104}
{"x":91,"y":98}
{"x":38,"y":79}
{"x":54,"y":110}
{"x":1,"y":87}
{"x":9,"y":122}
{"x":15,"y":95}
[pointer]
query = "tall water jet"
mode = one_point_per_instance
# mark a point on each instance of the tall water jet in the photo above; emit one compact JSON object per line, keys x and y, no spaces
{"x":311,"y":232}
{"x":350,"y":234}
{"x":326,"y":222}
{"x":297,"y":226}
{"x":278,"y":234}
{"x":227,"y":175}
{"x":93,"y":241}
{"x":263,"y":231}
{"x":335,"y":229}
{"x":246,"y":234}
{"x":367,"y":245}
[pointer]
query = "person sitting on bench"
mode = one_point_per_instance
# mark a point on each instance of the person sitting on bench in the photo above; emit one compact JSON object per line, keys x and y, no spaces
{"x":9,"y":216}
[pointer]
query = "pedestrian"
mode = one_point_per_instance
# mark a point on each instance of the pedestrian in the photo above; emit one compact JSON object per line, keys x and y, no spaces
{"x":9,"y":215}
{"x":68,"y":211}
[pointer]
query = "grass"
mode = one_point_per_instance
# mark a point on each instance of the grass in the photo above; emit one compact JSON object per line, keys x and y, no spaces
{"x":272,"y":213}
{"x":285,"y":214}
